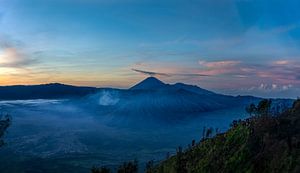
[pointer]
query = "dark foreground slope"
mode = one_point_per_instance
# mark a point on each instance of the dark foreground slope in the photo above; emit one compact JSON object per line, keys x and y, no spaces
{"x":4,"y":123}
{"x":259,"y":144}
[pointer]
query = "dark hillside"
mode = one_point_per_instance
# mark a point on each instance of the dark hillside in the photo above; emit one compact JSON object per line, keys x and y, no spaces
{"x":4,"y":124}
{"x":263,"y":143}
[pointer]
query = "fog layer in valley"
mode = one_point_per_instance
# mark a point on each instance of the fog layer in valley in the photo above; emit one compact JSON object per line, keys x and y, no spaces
{"x":74,"y":135}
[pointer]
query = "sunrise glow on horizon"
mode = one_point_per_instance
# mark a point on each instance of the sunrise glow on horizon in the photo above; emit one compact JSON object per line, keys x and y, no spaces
{"x":233,"y":46}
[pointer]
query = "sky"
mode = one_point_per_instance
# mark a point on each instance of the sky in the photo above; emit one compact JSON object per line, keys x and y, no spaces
{"x":238,"y":47}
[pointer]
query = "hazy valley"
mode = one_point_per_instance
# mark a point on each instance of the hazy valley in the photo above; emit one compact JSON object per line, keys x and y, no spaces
{"x":109,"y":126}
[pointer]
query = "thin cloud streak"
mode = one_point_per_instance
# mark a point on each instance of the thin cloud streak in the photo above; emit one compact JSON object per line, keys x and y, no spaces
{"x":151,"y":73}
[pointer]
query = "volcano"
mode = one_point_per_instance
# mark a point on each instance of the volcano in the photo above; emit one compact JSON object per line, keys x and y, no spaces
{"x":152,"y":98}
{"x":150,"y":83}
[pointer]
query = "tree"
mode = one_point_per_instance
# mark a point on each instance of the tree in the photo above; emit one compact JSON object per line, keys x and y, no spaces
{"x":264,"y":107}
{"x":179,"y":150}
{"x":296,"y":106}
{"x":234,"y":123}
{"x":251,"y":109}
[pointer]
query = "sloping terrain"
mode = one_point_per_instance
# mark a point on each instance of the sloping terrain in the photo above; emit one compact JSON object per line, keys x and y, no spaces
{"x":168,"y":104}
{"x":259,"y":144}
{"x":4,"y":124}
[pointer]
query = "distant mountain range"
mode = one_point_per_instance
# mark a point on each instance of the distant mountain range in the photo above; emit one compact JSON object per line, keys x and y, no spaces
{"x":58,"y":91}
{"x":44,"y":91}
{"x":150,"y":97}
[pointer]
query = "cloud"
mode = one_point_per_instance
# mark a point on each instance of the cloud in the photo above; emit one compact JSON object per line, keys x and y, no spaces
{"x":267,"y":90}
{"x":282,"y":62}
{"x":217,"y":64}
{"x":274,"y":86}
{"x":216,"y":68}
{"x":151,"y":73}
{"x":286,"y":87}
{"x":279,"y":71}
{"x":277,"y":75}
{"x":11,"y":55}
{"x":284,"y":28}
{"x":264,"y":87}
{"x":282,"y":71}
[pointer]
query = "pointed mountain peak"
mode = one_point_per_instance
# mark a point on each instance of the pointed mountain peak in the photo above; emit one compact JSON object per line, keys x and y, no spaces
{"x":149,"y":83}
{"x":152,"y":80}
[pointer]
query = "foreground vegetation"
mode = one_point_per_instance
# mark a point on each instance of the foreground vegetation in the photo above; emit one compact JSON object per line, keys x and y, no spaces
{"x":262,"y":143}
{"x":266,"y":143}
{"x":4,"y":123}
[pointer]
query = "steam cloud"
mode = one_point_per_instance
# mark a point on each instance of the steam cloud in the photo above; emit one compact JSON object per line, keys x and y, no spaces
{"x":108,"y":98}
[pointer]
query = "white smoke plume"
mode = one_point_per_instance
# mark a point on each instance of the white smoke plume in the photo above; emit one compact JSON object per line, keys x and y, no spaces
{"x":108,"y":98}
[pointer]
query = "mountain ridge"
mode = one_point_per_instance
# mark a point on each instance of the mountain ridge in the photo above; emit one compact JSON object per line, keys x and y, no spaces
{"x":152,"y":83}
{"x":43,"y":91}
{"x":60,"y":90}
{"x":150,"y":97}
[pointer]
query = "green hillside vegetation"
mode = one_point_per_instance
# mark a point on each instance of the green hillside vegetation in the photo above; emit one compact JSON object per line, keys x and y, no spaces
{"x":267,"y":142}
{"x":263,"y":143}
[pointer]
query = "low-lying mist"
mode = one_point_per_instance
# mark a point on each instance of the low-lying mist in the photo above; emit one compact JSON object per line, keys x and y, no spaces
{"x":75,"y":134}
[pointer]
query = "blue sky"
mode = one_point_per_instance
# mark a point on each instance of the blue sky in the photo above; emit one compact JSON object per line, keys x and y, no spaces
{"x":245,"y":46}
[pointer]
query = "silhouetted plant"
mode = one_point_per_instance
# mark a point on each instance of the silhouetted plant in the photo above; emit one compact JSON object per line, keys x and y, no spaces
{"x":251,"y":109}
{"x":193,"y":142}
{"x":129,"y":167}
{"x":150,"y":167}
{"x":203,"y":133}
{"x":189,"y":147}
{"x":179,"y":150}
{"x":263,"y":107}
{"x":296,"y":106}
{"x":168,"y":155}
{"x":4,"y":124}
{"x":234,"y":123}
{"x":100,"y":170}
{"x":180,"y":161}
{"x":217,"y":131}
{"x":209,"y":132}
